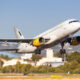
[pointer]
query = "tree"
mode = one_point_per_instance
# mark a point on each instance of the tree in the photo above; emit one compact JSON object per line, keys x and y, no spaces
{"x":58,"y":54}
{"x":6,"y":57}
{"x":73,"y":56}
{"x":18,"y":67}
{"x":7,"y":69}
{"x":1,"y":63}
{"x":46,"y":69}
{"x":25,"y":68}
{"x":36,"y":57}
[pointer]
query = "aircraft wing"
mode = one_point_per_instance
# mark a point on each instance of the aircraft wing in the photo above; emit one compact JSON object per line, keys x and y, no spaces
{"x":8,"y":49}
{"x":16,"y":40}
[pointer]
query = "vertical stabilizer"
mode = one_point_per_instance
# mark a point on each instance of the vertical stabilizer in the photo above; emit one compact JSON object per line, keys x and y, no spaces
{"x":19,"y":36}
{"x":18,"y":33}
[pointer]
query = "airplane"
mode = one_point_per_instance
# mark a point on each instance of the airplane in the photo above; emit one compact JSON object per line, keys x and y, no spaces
{"x":62,"y":33}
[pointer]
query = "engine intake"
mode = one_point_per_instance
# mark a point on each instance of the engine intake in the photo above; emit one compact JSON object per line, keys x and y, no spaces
{"x":74,"y":41}
{"x":38,"y":41}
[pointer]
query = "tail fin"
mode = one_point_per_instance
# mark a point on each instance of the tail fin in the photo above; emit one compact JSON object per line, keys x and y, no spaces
{"x":18,"y":33}
{"x":19,"y":36}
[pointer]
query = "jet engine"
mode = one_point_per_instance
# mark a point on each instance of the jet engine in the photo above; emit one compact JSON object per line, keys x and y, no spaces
{"x":38,"y":41}
{"x":74,"y":41}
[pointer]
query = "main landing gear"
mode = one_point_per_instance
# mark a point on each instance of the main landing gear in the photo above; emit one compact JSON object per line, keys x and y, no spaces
{"x":63,"y":52}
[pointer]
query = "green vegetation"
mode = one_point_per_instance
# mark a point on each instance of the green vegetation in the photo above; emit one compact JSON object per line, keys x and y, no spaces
{"x":5,"y":57}
{"x":36,"y":57}
{"x":72,"y":65}
{"x":1,"y":63}
{"x":73,"y":56}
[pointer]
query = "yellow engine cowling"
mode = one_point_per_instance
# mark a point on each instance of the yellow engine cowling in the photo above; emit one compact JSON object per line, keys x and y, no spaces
{"x":74,"y":42}
{"x":38,"y":42}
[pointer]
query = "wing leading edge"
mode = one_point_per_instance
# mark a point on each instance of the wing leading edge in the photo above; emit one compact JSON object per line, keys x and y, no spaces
{"x":9,"y":50}
{"x":16,"y":40}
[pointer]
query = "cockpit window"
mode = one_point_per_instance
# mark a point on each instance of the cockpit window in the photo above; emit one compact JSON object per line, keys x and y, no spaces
{"x":73,"y":21}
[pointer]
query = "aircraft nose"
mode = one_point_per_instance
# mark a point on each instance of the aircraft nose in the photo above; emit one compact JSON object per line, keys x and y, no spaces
{"x":78,"y":25}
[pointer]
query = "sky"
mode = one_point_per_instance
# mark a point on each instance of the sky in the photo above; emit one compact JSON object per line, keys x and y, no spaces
{"x":35,"y":16}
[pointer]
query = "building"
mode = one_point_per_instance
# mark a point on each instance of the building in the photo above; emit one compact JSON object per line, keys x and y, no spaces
{"x":50,"y":60}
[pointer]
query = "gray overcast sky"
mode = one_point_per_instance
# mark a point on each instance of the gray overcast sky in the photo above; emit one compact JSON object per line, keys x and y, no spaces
{"x":35,"y":16}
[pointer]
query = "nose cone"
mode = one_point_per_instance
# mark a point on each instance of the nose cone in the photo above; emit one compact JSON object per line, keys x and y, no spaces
{"x":78,"y":24}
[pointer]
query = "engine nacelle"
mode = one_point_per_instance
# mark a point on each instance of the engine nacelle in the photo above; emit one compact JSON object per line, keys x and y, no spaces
{"x":74,"y":41}
{"x":38,"y":41}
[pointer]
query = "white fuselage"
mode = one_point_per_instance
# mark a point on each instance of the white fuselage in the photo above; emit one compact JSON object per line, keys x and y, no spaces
{"x":56,"y":35}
